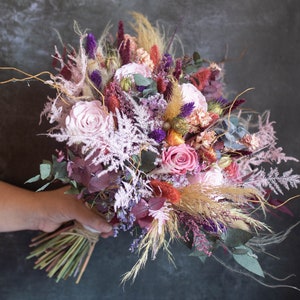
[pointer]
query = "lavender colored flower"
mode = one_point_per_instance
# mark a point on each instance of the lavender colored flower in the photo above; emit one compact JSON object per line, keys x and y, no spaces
{"x":140,"y":88}
{"x":158,"y":135}
{"x":135,"y":243}
{"x":91,"y":46}
{"x":96,"y":78}
{"x":211,"y":226}
{"x":186,"y":109}
{"x":167,"y":62}
{"x":221,"y":100}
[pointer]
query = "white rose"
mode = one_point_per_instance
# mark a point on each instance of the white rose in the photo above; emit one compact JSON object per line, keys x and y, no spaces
{"x":212,"y":177}
{"x":191,"y":94}
{"x":130,"y":69}
{"x":87,"y":119}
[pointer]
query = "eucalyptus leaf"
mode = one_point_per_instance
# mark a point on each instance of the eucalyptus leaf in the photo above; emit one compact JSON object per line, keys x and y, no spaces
{"x":249,"y":261}
{"x":60,"y":170}
{"x":33,"y":179}
{"x":239,"y":251}
{"x":151,"y":90}
{"x":43,"y":187}
{"x":196,"y":57}
{"x":201,"y":255}
{"x":147,"y":161}
{"x":45,"y":170}
{"x":235,"y":237}
{"x":140,"y":80}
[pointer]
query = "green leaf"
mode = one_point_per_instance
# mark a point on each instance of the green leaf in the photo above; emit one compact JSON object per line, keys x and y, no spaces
{"x":151,"y":90}
{"x":201,"y":255}
{"x":248,"y":261}
{"x":43,"y":187}
{"x":45,"y":170}
{"x":33,"y":179}
{"x":197,"y":58}
{"x":147,"y":161}
{"x":236,"y":237}
{"x":60,"y":170}
{"x":140,"y":80}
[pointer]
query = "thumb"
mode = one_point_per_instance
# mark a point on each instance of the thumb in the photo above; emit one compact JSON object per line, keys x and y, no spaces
{"x":92,"y":220}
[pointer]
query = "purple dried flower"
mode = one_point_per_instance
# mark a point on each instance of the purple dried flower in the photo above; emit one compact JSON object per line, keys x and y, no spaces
{"x":221,"y":100}
{"x":158,"y":135}
{"x":186,"y":109}
{"x":96,"y":78}
{"x":211,"y":226}
{"x":140,"y":88}
{"x":135,"y":243}
{"x":167,"y":62}
{"x":91,"y":46}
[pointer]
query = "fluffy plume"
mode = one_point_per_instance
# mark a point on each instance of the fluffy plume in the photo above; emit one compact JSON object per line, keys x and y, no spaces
{"x":147,"y":35}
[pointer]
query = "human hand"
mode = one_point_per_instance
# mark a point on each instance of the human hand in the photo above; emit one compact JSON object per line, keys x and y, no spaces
{"x":21,"y":209}
{"x":56,"y":207}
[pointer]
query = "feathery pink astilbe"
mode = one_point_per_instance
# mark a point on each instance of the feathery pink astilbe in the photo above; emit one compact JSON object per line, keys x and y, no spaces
{"x":117,"y":146}
{"x":161,"y":215}
{"x":77,"y":65}
{"x":272,"y":179}
{"x":132,"y":192}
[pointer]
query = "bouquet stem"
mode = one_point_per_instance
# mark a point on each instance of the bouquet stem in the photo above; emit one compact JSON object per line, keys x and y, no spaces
{"x":65,"y":252}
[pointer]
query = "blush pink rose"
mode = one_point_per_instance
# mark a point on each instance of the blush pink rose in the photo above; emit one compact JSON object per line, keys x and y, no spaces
{"x":87,"y":119}
{"x":191,"y":94}
{"x":128,"y":70}
{"x":180,"y":159}
{"x":213,"y":177}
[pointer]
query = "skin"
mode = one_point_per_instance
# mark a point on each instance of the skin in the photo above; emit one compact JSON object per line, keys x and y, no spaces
{"x":21,"y":209}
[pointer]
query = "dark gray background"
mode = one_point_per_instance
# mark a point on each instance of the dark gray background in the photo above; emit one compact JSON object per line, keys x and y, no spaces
{"x":269,"y":32}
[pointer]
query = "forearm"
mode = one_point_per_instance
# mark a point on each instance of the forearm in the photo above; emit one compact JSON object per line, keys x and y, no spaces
{"x":18,"y":208}
{"x":21,"y":209}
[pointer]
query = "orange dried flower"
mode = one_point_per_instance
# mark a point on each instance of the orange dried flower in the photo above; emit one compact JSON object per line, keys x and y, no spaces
{"x":174,"y":138}
{"x":161,"y":85}
{"x":200,"y":79}
{"x":166,"y":190}
{"x":154,"y":54}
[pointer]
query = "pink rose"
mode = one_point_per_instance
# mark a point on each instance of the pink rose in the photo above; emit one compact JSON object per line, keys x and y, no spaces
{"x":191,"y":94}
{"x":87,"y":119}
{"x":212,"y":177}
{"x":180,"y":159}
{"x":130,"y":69}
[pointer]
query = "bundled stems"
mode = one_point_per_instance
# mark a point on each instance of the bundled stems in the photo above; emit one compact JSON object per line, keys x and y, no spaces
{"x":64,"y":252}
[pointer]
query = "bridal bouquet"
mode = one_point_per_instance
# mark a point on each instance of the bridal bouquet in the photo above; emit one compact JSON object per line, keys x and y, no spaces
{"x":151,"y":142}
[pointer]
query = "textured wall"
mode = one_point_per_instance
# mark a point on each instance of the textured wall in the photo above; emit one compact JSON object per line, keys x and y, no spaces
{"x":269,"y":32}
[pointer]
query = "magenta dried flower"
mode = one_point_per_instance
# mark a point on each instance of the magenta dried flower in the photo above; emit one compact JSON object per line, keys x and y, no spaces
{"x":178,"y":69}
{"x":120,"y":34}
